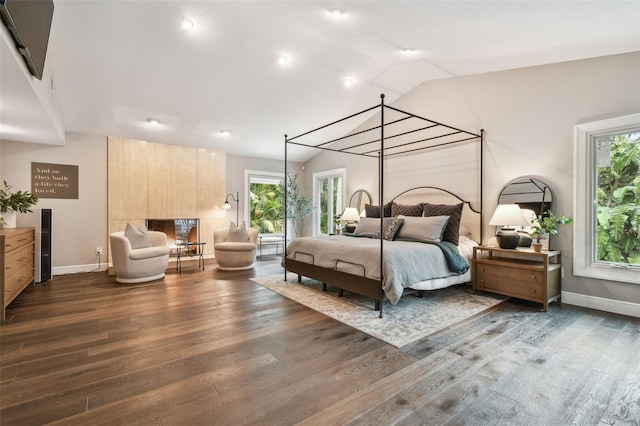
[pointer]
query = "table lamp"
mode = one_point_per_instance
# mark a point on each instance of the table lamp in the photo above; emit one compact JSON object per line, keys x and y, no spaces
{"x":350,"y":215}
{"x":506,"y":216}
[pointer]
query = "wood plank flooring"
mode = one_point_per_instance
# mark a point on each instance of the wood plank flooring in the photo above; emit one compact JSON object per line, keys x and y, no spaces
{"x":212,"y":347}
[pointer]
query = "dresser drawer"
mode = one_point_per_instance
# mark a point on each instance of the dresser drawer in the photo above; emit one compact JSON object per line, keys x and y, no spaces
{"x":16,"y":282}
{"x":12,"y":242}
{"x":18,"y":258}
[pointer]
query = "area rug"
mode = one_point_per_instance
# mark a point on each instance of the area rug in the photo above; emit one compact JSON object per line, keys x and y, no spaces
{"x":411,"y":319}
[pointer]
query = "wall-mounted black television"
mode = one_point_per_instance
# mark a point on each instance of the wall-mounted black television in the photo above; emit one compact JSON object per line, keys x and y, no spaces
{"x":29,"y":22}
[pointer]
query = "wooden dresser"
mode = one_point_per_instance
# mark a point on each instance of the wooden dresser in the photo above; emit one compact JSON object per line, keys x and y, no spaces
{"x":520,"y":273}
{"x":16,"y":261}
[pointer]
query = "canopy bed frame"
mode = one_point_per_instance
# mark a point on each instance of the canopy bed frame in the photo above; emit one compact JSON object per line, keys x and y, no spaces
{"x":408,"y":134}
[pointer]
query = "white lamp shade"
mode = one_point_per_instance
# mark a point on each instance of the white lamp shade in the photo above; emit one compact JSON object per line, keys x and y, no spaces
{"x":508,"y":214}
{"x":350,"y":214}
{"x":226,"y":205}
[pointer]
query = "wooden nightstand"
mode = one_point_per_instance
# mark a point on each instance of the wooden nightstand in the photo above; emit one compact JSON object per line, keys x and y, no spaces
{"x":520,"y":273}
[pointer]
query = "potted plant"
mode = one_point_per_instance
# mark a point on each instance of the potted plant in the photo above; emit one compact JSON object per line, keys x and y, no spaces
{"x":14,"y":202}
{"x":297,"y":206}
{"x":547,"y":224}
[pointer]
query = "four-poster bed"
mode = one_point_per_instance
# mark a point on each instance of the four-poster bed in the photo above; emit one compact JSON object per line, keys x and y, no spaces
{"x":410,"y":134}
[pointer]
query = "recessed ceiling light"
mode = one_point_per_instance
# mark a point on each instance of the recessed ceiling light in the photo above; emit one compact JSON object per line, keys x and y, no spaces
{"x":349,"y":82}
{"x":336,"y":12}
{"x":186,"y":24}
{"x":283,"y":60}
{"x":225,"y":132}
{"x":408,"y":50}
{"x":153,"y":121}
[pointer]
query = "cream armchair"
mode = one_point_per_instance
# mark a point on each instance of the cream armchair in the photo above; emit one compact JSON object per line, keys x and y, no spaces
{"x":142,"y":264}
{"x":234,"y":256}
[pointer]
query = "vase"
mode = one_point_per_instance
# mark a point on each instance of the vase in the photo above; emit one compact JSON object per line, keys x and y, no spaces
{"x":537,"y":247}
{"x":9,"y":219}
{"x":507,"y":238}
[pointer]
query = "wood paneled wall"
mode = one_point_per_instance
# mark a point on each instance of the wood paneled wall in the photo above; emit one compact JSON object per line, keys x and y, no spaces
{"x":157,"y":181}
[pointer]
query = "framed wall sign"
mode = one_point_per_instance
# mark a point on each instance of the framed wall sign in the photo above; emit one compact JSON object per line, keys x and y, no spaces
{"x":54,"y":180}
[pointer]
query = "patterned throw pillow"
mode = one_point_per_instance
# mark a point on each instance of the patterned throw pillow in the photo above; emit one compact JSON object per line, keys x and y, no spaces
{"x":237,"y":235}
{"x":406,"y":210}
{"x":452,"y":231}
{"x":138,"y":237}
{"x":374,"y":211}
{"x":390,"y":228}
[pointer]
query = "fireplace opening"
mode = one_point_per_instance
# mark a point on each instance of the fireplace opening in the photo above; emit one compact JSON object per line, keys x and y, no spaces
{"x":178,"y":230}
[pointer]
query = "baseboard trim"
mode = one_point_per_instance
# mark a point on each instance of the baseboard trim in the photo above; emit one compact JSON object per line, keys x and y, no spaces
{"x":76,"y":269}
{"x":602,"y":304}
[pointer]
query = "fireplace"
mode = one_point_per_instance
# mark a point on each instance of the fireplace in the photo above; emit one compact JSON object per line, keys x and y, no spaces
{"x":179,"y":231}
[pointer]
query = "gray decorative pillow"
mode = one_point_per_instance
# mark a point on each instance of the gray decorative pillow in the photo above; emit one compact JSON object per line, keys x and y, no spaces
{"x":367,"y":227}
{"x":390,"y":228}
{"x":422,"y":229}
{"x":406,"y":210}
{"x":138,"y":237}
{"x":374,"y":211}
{"x":237,"y":235}
{"x":452,"y":231}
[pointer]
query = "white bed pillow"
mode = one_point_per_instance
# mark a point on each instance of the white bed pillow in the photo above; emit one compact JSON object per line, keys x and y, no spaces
{"x":367,"y":227}
{"x":422,"y":229}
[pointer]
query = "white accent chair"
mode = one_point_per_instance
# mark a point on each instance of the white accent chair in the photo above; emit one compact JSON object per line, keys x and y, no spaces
{"x":142,"y":264}
{"x":234,"y":256}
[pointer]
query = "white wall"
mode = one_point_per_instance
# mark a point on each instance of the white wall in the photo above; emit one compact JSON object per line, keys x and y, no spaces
{"x":529,"y":115}
{"x":79,"y":226}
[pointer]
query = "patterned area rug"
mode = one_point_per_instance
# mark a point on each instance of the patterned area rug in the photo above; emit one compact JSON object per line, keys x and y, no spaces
{"x":411,"y":319}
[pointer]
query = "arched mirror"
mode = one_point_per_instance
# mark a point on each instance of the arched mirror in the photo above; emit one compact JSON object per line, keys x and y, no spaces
{"x":529,"y":193}
{"x":532,"y":195}
{"x":359,"y":198}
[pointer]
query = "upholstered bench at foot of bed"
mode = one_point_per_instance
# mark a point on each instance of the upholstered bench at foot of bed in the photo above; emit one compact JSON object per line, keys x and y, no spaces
{"x":233,"y":256}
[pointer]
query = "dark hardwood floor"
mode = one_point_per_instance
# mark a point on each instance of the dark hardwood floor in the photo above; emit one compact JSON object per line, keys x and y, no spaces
{"x":212,"y":347}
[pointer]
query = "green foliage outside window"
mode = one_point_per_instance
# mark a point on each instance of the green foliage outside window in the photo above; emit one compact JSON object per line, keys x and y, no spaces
{"x":266,"y":207}
{"x":618,"y":211}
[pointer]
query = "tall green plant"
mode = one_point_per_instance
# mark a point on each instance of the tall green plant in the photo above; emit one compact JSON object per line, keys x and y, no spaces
{"x":298,"y":206}
{"x":618,"y":212}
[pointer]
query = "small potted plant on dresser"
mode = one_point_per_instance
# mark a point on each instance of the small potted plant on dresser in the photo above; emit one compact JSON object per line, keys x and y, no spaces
{"x":13,"y":202}
{"x":547,"y":224}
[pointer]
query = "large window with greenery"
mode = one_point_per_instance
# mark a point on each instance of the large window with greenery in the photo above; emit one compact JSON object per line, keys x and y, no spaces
{"x":266,"y":202}
{"x":607,"y":195}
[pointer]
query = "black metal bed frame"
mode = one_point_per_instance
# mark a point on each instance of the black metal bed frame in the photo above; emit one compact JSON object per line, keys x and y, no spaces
{"x":358,"y":284}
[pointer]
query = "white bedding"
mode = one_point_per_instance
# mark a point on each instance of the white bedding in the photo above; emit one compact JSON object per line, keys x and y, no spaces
{"x":465,"y":247}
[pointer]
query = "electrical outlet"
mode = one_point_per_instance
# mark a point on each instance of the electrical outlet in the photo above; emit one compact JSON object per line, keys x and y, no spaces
{"x":98,"y":250}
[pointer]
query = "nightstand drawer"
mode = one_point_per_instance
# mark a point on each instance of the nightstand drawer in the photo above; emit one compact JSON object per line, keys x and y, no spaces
{"x":510,"y":286}
{"x":525,"y":275}
{"x":521,"y":273}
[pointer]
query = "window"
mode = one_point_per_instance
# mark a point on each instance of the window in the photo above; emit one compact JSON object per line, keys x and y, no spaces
{"x":607,"y":199}
{"x":328,"y":196}
{"x":266,"y":208}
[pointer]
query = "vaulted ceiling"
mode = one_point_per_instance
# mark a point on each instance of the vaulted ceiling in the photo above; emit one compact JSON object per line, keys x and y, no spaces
{"x":117,"y":64}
